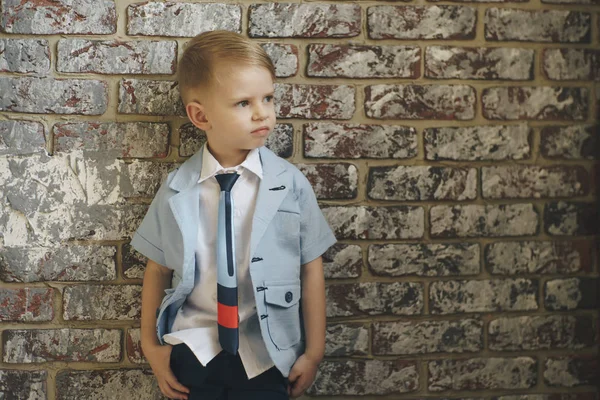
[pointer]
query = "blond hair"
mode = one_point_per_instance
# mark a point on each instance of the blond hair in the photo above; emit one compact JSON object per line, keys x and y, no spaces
{"x":198,"y":65}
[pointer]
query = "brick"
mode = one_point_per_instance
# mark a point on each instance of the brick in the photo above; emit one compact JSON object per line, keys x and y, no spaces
{"x":573,"y":142}
{"x":446,"y":62}
{"x":571,"y":64}
{"x":115,"y":139}
{"x":361,"y":61}
{"x":26,"y":305}
{"x":332,"y":140}
{"x":476,"y":220}
{"x":571,"y":294}
{"x":455,"y":102}
{"x":552,"y":396}
{"x":433,"y":259}
{"x":60,"y":263}
{"x":53,"y":96}
{"x":421,"y":22}
{"x":134,"y":346}
{"x":59,"y":17}
{"x":314,"y":101}
{"x":343,"y":261}
{"x":25,"y":56}
{"x":304,"y":20}
{"x":102,"y":302}
{"x":478,"y":143}
{"x":134,"y":263}
{"x":420,"y":183}
{"x":482,"y":374}
{"x":450,"y":297}
{"x":280,"y":141}
{"x":535,"y":103}
{"x":557,"y":26}
{"x":538,"y":257}
{"x":591,"y":2}
{"x":374,"y":298}
{"x":347,"y":340}
{"x":332,"y":181}
{"x":75,"y":345}
{"x":21,"y":137}
{"x":541,"y":332}
{"x":117,"y":57}
{"x":21,"y":384}
{"x":364,"y":222}
{"x":131,"y":384}
{"x":571,"y":218}
{"x":143,"y":178}
{"x":525,"y":181}
{"x":571,"y":371}
{"x":400,"y":338}
{"x":372,"y":377}
{"x":177,"y":19}
{"x":284,"y":57}
{"x":148,"y":97}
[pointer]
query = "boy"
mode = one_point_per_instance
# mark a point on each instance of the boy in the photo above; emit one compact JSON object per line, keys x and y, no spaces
{"x":266,"y":339}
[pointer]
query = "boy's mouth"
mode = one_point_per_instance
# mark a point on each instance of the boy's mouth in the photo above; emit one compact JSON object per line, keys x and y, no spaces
{"x":263,"y":130}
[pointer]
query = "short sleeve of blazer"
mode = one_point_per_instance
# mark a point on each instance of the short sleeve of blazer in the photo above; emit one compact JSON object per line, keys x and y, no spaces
{"x":315,"y":234}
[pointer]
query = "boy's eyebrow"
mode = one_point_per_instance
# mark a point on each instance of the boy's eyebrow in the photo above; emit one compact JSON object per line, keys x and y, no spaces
{"x":272,"y":93}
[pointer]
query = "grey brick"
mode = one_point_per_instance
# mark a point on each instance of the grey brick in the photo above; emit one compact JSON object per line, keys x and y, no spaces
{"x":21,"y":384}
{"x":102,"y":302}
{"x":332,"y":181}
{"x":284,"y":57}
{"x":314,"y":101}
{"x":143,"y":178}
{"x":27,"y":304}
{"x":24,"y":56}
{"x":148,"y":97}
{"x":571,"y":218}
{"x":131,"y":384}
{"x":571,"y":294}
{"x":571,"y":371}
{"x":343,"y":261}
{"x":572,"y":142}
{"x":134,"y":263}
{"x":347,"y":340}
{"x":134,"y":346}
{"x":571,"y":64}
{"x":21,"y":137}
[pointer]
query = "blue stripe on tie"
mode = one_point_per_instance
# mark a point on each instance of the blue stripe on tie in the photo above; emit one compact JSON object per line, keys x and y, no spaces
{"x":227,"y":296}
{"x":228,"y":339}
{"x":228,"y":233}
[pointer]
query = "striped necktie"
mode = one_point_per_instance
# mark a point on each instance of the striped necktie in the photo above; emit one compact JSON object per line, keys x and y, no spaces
{"x":227,"y":299}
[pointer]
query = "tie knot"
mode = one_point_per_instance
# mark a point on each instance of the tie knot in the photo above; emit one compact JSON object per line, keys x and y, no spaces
{"x":226,"y":181}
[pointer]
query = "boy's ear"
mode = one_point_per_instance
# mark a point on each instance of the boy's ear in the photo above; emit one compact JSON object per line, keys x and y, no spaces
{"x":197,"y":115}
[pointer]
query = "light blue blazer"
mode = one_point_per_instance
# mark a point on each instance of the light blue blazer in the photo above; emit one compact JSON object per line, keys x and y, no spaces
{"x":288,"y":230}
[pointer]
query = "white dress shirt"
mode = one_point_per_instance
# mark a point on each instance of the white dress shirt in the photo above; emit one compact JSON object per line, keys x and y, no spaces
{"x":196,"y":322}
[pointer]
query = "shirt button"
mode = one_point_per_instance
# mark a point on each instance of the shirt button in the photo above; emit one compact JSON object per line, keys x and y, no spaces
{"x":288,"y":297}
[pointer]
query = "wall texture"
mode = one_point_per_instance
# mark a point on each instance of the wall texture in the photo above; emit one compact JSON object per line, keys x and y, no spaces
{"x":452,"y":146}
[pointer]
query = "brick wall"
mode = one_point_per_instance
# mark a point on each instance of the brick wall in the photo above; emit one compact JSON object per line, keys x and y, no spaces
{"x":452,"y":147}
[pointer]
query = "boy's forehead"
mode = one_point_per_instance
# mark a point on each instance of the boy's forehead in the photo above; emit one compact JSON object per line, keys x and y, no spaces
{"x":231,"y":76}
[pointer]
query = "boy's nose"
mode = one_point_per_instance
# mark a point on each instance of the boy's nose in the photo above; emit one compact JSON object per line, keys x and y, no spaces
{"x":260,"y":113}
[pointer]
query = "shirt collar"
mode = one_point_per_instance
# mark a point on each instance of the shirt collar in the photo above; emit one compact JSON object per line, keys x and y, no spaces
{"x":211,"y":167}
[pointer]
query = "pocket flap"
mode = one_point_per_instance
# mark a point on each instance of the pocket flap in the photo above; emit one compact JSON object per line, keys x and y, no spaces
{"x":283,"y":295}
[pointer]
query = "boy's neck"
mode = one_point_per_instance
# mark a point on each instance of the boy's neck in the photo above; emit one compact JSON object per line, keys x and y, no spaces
{"x":229,"y":159}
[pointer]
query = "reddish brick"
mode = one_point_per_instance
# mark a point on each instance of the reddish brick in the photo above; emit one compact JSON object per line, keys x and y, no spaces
{"x":26,"y":305}
{"x":102,"y":302}
{"x":332,"y":181}
{"x":314,"y":101}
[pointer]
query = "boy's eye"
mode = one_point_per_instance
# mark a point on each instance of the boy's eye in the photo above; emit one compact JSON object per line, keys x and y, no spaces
{"x":243,"y":103}
{"x":269,"y":99}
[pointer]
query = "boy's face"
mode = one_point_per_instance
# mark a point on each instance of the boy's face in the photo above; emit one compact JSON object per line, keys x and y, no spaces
{"x":238,"y":110}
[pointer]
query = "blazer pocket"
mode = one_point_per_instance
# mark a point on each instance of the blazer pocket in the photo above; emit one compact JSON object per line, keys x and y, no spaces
{"x":288,"y":225}
{"x":282,"y":300}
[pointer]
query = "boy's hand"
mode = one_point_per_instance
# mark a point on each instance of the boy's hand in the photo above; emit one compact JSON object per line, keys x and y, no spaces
{"x":302,"y":375}
{"x":159,"y":358}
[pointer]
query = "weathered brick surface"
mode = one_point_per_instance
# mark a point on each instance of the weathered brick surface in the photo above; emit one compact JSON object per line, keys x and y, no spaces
{"x":143,"y":178}
{"x":446,"y":62}
{"x":86,"y":17}
{"x":424,"y":259}
{"x":483,"y":220}
{"x":374,"y":298}
{"x":478,"y":143}
{"x":372,"y":377}
{"x":140,"y":96}
{"x":541,"y":332}
{"x":25,"y":56}
{"x":571,"y":218}
{"x":117,"y":57}
{"x":449,"y":297}
{"x":134,"y":346}
{"x":399,"y":338}
{"x":134,"y":263}
{"x":284,"y":57}
{"x":314,"y":101}
{"x":26,"y":305}
{"x":332,"y":181}
{"x":53,"y":96}
{"x":347,"y":340}
{"x":356,"y":61}
{"x":21,"y":137}
{"x":64,"y":263}
{"x":407,"y":183}
{"x":421,"y":22}
{"x":364,"y":222}
{"x":571,"y":294}
{"x":571,"y":64}
{"x":544,"y":25}
{"x":45,"y":345}
{"x":20,"y":384}
{"x":343,"y":261}
{"x":553,"y":396}
{"x":420,"y":102}
{"x":535,"y":103}
{"x":99,"y":302}
{"x":520,"y":181}
{"x":482,"y":373}
{"x":304,"y":20}
{"x":571,"y":371}
{"x":182,"y":19}
{"x":538,"y":257}
{"x":570,"y":142}
{"x":331,"y":140}
{"x":131,"y":384}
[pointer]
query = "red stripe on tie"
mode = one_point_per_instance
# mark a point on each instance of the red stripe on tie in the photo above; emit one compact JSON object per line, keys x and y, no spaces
{"x":227,"y":316}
